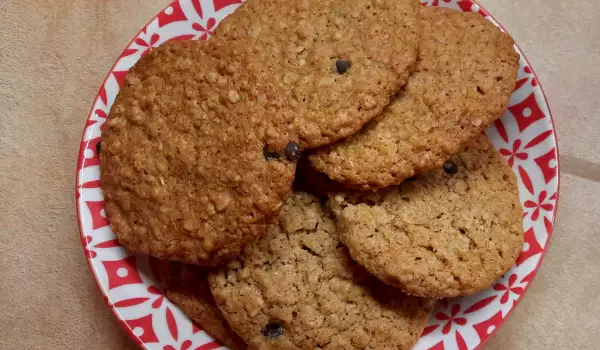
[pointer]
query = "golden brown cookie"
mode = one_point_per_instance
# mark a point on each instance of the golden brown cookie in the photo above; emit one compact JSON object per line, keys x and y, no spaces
{"x":297,"y":288}
{"x":339,"y":63}
{"x":464,"y":75}
{"x":193,"y":159}
{"x":450,"y":232}
{"x":187,"y":287}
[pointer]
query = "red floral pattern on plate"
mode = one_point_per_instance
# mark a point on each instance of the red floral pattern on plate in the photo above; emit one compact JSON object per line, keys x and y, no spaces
{"x":524,"y":135}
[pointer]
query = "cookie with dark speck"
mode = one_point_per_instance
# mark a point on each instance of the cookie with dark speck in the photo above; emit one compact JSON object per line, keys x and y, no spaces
{"x":464,"y":75}
{"x":297,"y":288}
{"x":187,"y":287}
{"x":338,"y":62}
{"x":183,"y":165}
{"x":443,"y":234}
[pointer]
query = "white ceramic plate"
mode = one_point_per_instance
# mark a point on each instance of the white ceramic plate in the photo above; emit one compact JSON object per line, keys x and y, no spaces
{"x":525,"y":136}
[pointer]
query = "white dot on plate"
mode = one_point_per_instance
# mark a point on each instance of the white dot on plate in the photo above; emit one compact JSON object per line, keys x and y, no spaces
{"x":103,"y":213}
{"x":169,"y":10}
{"x":88,"y":153}
{"x":138,"y":331}
{"x":527,"y":112}
{"x":122,"y":272}
{"x":525,"y":247}
{"x":491,"y":329}
{"x":475,"y":8}
{"x":552,"y":163}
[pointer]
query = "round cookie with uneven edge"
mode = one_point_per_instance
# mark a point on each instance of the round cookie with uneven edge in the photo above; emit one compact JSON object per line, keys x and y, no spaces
{"x":465,"y":73}
{"x":297,"y":288}
{"x":187,"y":287}
{"x":192,"y":162}
{"x":338,"y":62}
{"x":446,"y":233}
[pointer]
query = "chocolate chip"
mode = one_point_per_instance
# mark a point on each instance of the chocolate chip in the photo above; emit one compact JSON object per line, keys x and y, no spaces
{"x":272,"y":330}
{"x":450,"y":167}
{"x":268,"y":154}
{"x":98,"y":148}
{"x":292,"y":151}
{"x":342,"y":66}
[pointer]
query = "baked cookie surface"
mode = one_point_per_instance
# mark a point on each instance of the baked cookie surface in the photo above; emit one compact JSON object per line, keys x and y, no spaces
{"x":465,"y":73}
{"x":297,"y":288}
{"x":187,"y":287}
{"x":338,"y":62}
{"x":446,"y":233}
{"x":193,"y":161}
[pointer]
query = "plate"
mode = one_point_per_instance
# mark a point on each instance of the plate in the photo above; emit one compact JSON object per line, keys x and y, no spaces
{"x":524,"y":135}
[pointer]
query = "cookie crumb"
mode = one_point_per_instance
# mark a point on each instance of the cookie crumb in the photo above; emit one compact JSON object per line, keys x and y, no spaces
{"x":233,"y":96}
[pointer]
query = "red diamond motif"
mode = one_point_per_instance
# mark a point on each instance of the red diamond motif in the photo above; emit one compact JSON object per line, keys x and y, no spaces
{"x":487,"y":327}
{"x":171,"y":14}
{"x":95,"y":208}
{"x":468,"y":6}
{"x":527,"y":112}
{"x":547,"y":164}
{"x":142,"y":328}
{"x":531,"y":247}
{"x":122,"y":272}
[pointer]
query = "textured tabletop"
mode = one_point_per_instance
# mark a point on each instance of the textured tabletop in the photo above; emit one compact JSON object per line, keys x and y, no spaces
{"x":52,"y":61}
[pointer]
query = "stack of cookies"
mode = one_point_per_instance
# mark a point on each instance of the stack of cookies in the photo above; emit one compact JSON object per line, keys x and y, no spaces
{"x":316,"y":175}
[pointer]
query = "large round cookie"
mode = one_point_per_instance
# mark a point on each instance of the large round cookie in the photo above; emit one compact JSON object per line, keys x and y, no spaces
{"x":339,"y":62}
{"x":187,"y":287}
{"x":465,"y":73}
{"x":446,"y":233}
{"x":189,"y":167}
{"x":297,"y":288}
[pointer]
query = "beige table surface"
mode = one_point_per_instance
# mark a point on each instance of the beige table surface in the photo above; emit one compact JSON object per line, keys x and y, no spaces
{"x":55,"y":53}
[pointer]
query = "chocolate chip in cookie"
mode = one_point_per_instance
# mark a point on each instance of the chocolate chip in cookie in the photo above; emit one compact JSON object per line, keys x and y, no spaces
{"x":292,"y":151}
{"x":450,"y":167}
{"x":272,"y":330}
{"x":342,"y":66}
